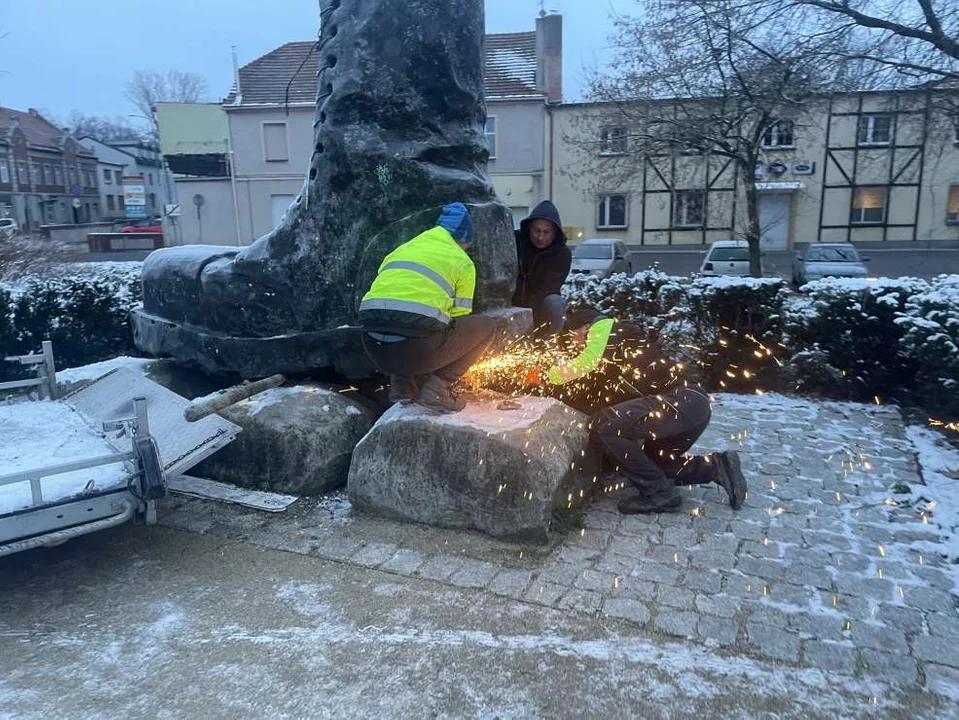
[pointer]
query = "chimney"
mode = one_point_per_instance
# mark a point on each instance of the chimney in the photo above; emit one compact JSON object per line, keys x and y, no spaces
{"x":549,"y":56}
{"x":33,"y":111}
{"x":236,"y":77}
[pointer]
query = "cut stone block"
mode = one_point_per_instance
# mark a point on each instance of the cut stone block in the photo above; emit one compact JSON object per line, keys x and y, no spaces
{"x":508,"y":468}
{"x":296,"y":439}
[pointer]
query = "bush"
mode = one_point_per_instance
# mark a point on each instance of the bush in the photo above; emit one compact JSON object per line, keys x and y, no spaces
{"x":848,"y":326}
{"x":844,"y":338}
{"x":85,"y":314}
{"x":930,"y":339}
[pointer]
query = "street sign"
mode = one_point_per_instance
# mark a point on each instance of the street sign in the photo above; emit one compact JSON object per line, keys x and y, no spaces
{"x":171,"y":209}
{"x":134,"y":197}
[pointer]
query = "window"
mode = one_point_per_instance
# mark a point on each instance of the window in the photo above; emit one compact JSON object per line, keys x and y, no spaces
{"x":688,"y":208}
{"x":117,"y":177}
{"x":72,"y":174}
{"x":57,"y":175}
{"x":4,"y":172}
{"x":612,"y":212}
{"x":491,"y":136}
{"x":121,"y":205}
{"x":868,"y":205}
{"x":952,"y":206}
{"x":613,"y":141}
{"x":22,"y":173}
{"x":779,"y":134}
{"x":875,"y":129}
{"x":111,"y":203}
{"x":47,"y":174}
{"x":274,"y":142}
{"x":107,"y":177}
{"x":150,"y":178}
{"x":35,"y":173}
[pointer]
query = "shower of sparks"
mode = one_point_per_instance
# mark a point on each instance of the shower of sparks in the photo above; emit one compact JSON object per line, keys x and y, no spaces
{"x":953,"y":426}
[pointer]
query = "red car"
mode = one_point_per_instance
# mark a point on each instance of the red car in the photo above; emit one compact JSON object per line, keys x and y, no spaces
{"x":151,"y":225}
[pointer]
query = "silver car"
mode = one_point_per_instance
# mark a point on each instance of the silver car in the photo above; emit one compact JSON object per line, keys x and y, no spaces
{"x":8,"y":228}
{"x":601,"y":257}
{"x":821,"y":260}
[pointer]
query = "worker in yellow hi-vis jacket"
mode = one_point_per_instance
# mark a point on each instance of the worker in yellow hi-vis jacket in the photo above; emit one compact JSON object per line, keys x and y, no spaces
{"x":416,"y":316}
{"x":644,"y":415}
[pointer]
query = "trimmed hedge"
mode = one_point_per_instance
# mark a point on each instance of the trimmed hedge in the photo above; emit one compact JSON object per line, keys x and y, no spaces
{"x":849,"y":339}
{"x":85,"y":314}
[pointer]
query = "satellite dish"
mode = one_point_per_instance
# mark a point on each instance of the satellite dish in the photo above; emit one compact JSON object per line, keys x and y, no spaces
{"x":198,"y":200}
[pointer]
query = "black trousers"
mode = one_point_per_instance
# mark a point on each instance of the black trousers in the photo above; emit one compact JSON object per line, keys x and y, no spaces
{"x":445,"y":354}
{"x":646,"y":439}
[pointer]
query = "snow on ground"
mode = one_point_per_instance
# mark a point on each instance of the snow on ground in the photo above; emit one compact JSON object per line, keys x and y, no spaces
{"x":96,"y":370}
{"x":939,"y":463}
{"x":44,"y":433}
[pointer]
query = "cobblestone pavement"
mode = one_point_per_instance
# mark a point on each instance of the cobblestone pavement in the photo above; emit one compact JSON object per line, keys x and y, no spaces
{"x":822,"y":568}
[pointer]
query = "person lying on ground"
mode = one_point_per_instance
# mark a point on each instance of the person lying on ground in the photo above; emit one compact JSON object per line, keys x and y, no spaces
{"x":416,"y":316}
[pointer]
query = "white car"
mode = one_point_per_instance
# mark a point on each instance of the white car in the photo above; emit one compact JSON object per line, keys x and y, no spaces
{"x":8,"y":228}
{"x":601,"y":257}
{"x":726,"y":257}
{"x":828,"y":260}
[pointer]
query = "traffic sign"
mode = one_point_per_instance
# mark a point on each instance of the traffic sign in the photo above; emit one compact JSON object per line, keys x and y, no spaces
{"x":171,"y":209}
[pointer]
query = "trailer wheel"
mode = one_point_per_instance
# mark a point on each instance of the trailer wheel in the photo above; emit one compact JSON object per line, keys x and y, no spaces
{"x":152,"y":486}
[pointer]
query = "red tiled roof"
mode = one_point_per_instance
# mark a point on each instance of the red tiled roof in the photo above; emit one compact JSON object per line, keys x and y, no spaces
{"x":39,"y":131}
{"x":509,"y":66}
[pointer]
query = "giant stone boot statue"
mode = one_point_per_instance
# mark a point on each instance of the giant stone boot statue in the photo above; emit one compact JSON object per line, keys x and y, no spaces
{"x":398,"y":132}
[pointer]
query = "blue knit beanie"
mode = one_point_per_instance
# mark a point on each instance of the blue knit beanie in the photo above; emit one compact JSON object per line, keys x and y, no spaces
{"x":456,"y":218}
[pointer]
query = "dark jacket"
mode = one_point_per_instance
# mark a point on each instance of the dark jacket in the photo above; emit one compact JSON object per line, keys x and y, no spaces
{"x":634,"y":365}
{"x":541,"y":272}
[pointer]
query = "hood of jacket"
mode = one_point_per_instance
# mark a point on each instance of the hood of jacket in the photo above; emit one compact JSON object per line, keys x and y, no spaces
{"x":544,"y":211}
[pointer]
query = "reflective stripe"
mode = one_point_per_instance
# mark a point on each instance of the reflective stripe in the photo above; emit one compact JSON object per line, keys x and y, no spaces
{"x":463,"y":303}
{"x":405,"y":306}
{"x":422,"y":270}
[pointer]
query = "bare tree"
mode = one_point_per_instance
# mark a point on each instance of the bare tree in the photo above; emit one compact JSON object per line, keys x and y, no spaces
{"x":902,"y":42}
{"x":102,"y":128}
{"x":697,"y":81}
{"x":148,"y":87}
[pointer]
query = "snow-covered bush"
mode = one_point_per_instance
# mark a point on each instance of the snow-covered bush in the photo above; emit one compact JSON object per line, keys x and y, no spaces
{"x":849,"y":327}
{"x":930,"y":339}
{"x":636,"y":297}
{"x":725,"y":329}
{"x":84,"y":312}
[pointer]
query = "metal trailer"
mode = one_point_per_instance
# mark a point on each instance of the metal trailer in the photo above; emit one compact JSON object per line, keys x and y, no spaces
{"x":143,"y":422}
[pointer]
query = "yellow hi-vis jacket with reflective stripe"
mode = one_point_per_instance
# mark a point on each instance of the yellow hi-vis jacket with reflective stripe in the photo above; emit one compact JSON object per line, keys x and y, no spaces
{"x":420,"y":287}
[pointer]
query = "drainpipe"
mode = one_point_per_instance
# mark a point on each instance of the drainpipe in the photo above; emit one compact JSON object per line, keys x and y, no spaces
{"x":549,"y":154}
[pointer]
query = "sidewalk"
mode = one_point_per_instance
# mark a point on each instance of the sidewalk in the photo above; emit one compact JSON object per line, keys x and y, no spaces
{"x":825,"y":595}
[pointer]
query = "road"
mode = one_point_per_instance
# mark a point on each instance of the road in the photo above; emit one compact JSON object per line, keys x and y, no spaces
{"x":883,"y":262}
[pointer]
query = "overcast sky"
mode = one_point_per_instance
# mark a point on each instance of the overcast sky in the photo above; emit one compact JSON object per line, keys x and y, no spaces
{"x":64,"y":55}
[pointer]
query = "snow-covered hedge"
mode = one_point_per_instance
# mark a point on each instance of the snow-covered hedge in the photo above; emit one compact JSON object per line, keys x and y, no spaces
{"x":930,"y":339}
{"x":723,"y":328}
{"x":84,"y":312}
{"x":893,"y":338}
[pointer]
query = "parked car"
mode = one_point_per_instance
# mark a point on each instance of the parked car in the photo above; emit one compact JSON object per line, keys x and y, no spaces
{"x":149,"y":225}
{"x":821,"y":260}
{"x":601,"y":257}
{"x":8,"y":228}
{"x":726,"y":257}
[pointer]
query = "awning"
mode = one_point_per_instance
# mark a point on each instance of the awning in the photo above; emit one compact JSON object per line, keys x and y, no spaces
{"x":781,"y":186}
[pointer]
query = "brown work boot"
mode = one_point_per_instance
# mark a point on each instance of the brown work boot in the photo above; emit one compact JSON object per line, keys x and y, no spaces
{"x":663,"y":501}
{"x":435,"y":394}
{"x":403,"y":388}
{"x":729,"y":476}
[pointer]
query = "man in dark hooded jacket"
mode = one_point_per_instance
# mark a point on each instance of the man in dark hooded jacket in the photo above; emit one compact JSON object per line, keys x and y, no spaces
{"x":544,"y":261}
{"x":644,"y":415}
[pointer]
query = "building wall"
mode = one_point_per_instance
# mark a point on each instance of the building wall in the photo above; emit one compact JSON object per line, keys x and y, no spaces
{"x":247,"y":137}
{"x":192,"y":128}
{"x":915,"y":169}
{"x":215,"y":223}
